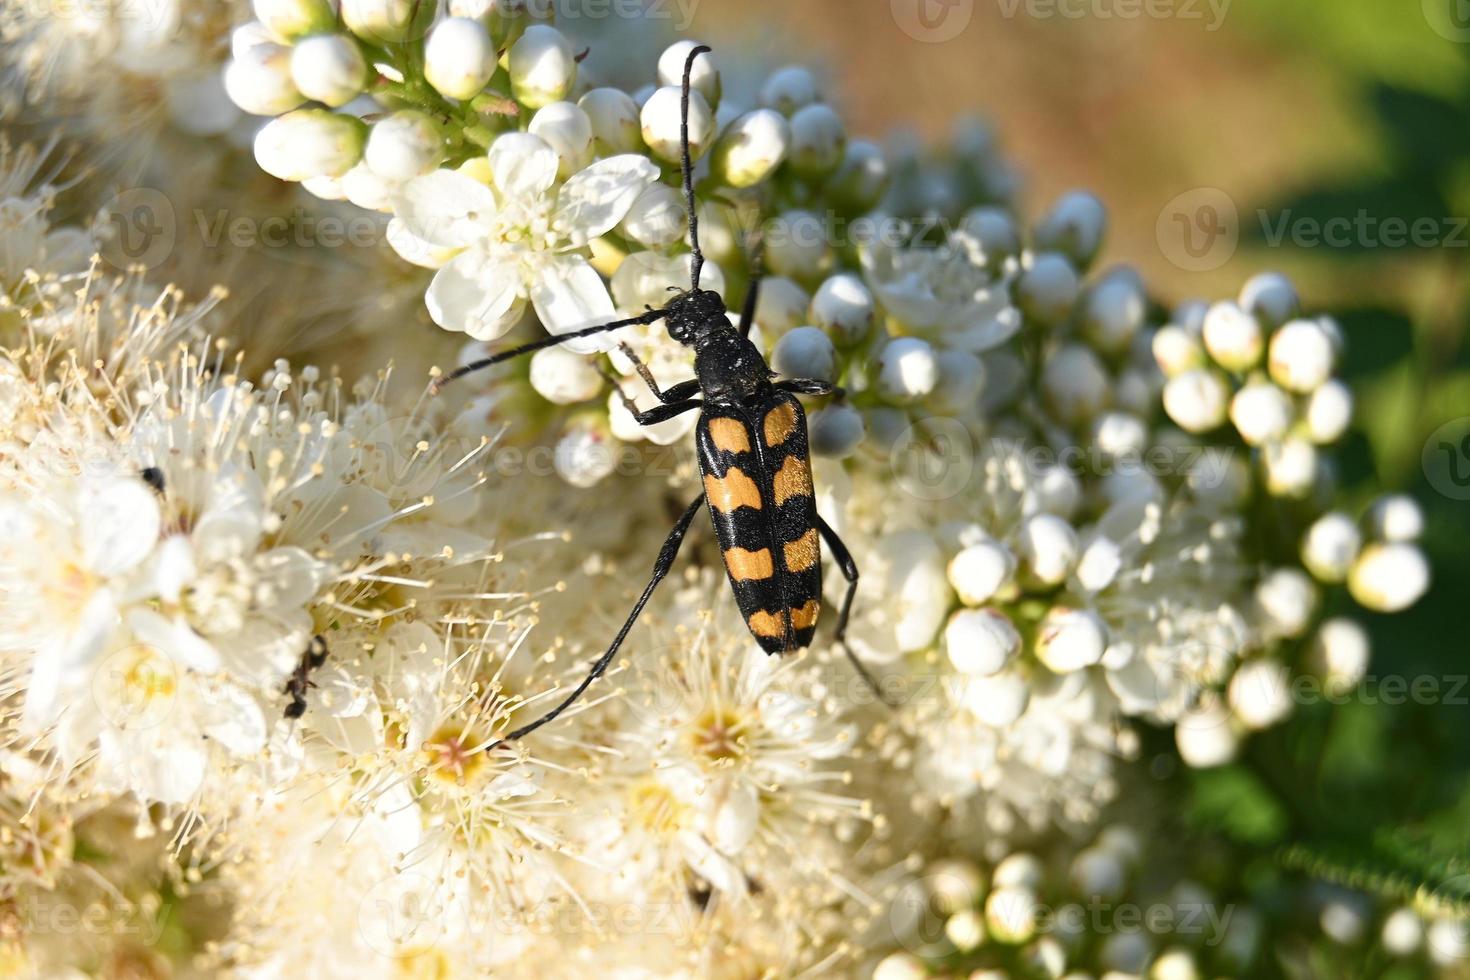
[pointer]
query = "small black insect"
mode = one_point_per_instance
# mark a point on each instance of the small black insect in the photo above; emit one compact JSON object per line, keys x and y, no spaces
{"x":153,"y":476}
{"x":753,"y":455}
{"x":301,"y":682}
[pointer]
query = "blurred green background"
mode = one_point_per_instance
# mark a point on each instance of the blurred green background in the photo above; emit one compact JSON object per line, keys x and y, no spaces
{"x":1301,"y":111}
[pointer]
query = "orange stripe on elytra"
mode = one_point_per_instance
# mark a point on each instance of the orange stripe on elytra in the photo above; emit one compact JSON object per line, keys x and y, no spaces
{"x":729,"y":435}
{"x":793,"y":479}
{"x":780,"y":423}
{"x":802,"y":553}
{"x":767,"y":624}
{"x":747,"y":565}
{"x":805,"y":617}
{"x":733,"y":491}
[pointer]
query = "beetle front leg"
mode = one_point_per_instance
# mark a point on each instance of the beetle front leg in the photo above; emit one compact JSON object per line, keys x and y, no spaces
{"x":680,"y":392}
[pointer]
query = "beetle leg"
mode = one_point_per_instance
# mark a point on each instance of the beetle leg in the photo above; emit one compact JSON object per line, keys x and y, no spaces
{"x":843,"y":557}
{"x":661,"y":568}
{"x":680,"y":392}
{"x":810,"y":386}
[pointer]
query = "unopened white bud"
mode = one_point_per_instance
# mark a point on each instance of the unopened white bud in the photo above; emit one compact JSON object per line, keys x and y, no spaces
{"x":1403,"y":932}
{"x":380,"y":21}
{"x":1261,"y":413}
{"x":1292,"y":468}
{"x":1070,"y":639}
{"x":310,"y":143}
{"x":1019,"y":870}
{"x":1301,"y":356}
{"x":1260,"y":693}
{"x":704,"y":77}
{"x":368,"y":189}
{"x":907,"y":370}
{"x":1389,"y":577}
{"x":994,"y":230}
{"x":248,"y":36}
{"x":1287,"y":598}
{"x":805,"y":352}
{"x":1047,"y":547}
{"x":1339,"y":654}
{"x":965,"y":929}
{"x":586,"y":454}
{"x":662,"y":122}
{"x":1011,"y":915}
{"x":751,"y":148}
{"x":1271,"y":298}
{"x":615,"y":124}
{"x":1099,"y":872}
{"x":835,"y":430}
{"x":459,"y":58}
{"x":843,"y":306}
{"x":1049,"y":288}
{"x":999,"y":699}
{"x":797,"y":246}
{"x":564,"y":378}
{"x":788,"y":89}
{"x":1395,"y":517}
{"x":1330,"y":546}
{"x":900,"y":966}
{"x":1329,"y":412}
{"x":1075,"y":227}
{"x":1114,"y":311}
{"x":861,"y":181}
{"x":1177,"y":350}
{"x":961,"y":377}
{"x":1174,"y":964}
{"x":980,"y":641}
{"x":782,"y":304}
{"x":404,"y":145}
{"x":1196,"y":400}
{"x":288,"y":20}
{"x":329,"y":68}
{"x":1204,"y":737}
{"x":1075,"y":384}
{"x":1233,"y":337}
{"x":568,"y":130}
{"x":818,"y":140}
{"x":259,"y":81}
{"x":542,"y":66}
{"x":658,"y":217}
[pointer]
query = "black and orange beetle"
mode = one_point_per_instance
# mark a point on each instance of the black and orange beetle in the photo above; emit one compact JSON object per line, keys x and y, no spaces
{"x":753,"y":455}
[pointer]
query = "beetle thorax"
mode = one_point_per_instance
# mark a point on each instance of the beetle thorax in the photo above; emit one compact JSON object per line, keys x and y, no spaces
{"x":730,"y":368}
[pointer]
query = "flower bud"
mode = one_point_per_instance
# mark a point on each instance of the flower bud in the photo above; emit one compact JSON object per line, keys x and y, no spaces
{"x":310,"y":143}
{"x":805,"y":352}
{"x":1075,"y":384}
{"x":1292,"y":468}
{"x":586,"y":454}
{"x":542,"y":66}
{"x":1176,"y":350}
{"x":1330,"y":545}
{"x":1270,"y":298}
{"x":291,"y":19}
{"x":907,"y":370}
{"x":459,"y":58}
{"x":1114,"y":310}
{"x":658,"y":217}
{"x":1098,"y":872}
{"x":259,"y":81}
{"x":980,"y":641}
{"x":751,"y":148}
{"x":1389,"y":577}
{"x":835,"y":430}
{"x":1233,"y":337}
{"x":997,"y":700}
{"x":961,"y":377}
{"x":1019,"y":870}
{"x":1195,"y":400}
{"x":1329,"y":412}
{"x":1260,"y":693}
{"x":368,"y":189}
{"x":862,"y":180}
{"x":796,"y":246}
{"x":1011,"y":915}
{"x":782,"y":304}
{"x":900,"y":966}
{"x":844,"y":307}
{"x":1075,"y":227}
{"x":1070,"y":639}
{"x":564,"y":378}
{"x":661,"y":122}
{"x":614,"y":117}
{"x":994,"y":230}
{"x":1395,"y":517}
{"x":329,"y":68}
{"x":1286,"y":599}
{"x":1339,"y":654}
{"x":1261,"y":413}
{"x":788,"y":89}
{"x":818,"y":140}
{"x":1048,"y":289}
{"x":1047,"y":547}
{"x":1205,"y":738}
{"x":380,"y":21}
{"x":1301,"y":356}
{"x":568,"y":130}
{"x":249,"y":35}
{"x":404,"y":145}
{"x":704,"y":77}
{"x":1403,"y":932}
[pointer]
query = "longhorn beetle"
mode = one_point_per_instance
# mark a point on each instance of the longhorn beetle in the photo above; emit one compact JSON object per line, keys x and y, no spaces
{"x":753,"y":455}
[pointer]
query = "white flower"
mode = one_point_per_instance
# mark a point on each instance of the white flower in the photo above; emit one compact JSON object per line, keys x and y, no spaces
{"x":310,"y":143}
{"x":1260,"y":693}
{"x":520,"y":238}
{"x":379,"y":21}
{"x":1070,"y":639}
{"x":1329,"y":412}
{"x":1395,"y":517}
{"x":459,"y":57}
{"x":1301,"y":356}
{"x":1389,"y":577}
{"x":329,"y":68}
{"x":1331,"y":544}
{"x":1261,"y":412}
{"x":1196,"y":400}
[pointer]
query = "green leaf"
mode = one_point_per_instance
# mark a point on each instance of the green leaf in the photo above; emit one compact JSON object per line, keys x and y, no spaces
{"x":1232,"y":800}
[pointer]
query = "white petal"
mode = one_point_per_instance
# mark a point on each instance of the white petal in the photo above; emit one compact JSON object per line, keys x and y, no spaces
{"x":172,"y":568}
{"x":175,"y":640}
{"x":446,"y":208}
{"x":475,"y":295}
{"x":569,"y":294}
{"x":415,"y":250}
{"x":592,"y":202}
{"x":232,"y":718}
{"x":234,"y":518}
{"x":120,"y":522}
{"x":523,"y":165}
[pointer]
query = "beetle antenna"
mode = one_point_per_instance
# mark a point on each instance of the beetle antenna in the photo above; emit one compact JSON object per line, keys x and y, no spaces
{"x":697,"y":265}
{"x":545,"y":342}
